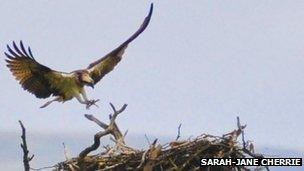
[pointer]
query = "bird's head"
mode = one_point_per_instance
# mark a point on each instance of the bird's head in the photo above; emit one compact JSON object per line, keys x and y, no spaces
{"x":85,"y":78}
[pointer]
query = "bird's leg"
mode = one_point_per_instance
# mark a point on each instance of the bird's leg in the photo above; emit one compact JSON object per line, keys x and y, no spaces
{"x":80,"y":100}
{"x":84,"y":95}
{"x":49,"y":102}
{"x":89,"y":102}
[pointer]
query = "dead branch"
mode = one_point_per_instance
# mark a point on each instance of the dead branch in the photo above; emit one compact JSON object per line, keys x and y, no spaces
{"x":65,"y":150}
{"x":143,"y":159}
{"x":110,"y":128}
{"x":147,"y":139}
{"x":178,"y":132}
{"x":245,"y":144}
{"x":44,"y":168}
{"x":26,"y":158}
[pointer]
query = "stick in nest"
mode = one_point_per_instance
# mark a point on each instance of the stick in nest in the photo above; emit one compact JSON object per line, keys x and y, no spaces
{"x":178,"y":132}
{"x":247,"y":151}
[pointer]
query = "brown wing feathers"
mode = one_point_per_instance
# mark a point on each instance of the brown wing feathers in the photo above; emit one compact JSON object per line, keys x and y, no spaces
{"x":101,"y":67}
{"x":136,"y":34}
{"x":30,"y":74}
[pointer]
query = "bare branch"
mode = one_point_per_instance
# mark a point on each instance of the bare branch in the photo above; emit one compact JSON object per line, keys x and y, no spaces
{"x":65,"y":150}
{"x":147,"y":138}
{"x":43,"y":168}
{"x":247,"y":151}
{"x":178,"y":132}
{"x":125,"y":134}
{"x":112,"y":129}
{"x":98,"y":122}
{"x":143,"y":159}
{"x":95,"y":145}
{"x":115,"y":112}
{"x":26,"y":158}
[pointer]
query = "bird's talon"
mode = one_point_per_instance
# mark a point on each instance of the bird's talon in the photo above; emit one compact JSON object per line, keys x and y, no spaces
{"x":96,"y":105}
{"x":91,"y":102}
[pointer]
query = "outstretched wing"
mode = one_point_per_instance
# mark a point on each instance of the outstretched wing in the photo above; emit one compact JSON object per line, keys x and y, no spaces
{"x":101,"y":67}
{"x":34,"y":77}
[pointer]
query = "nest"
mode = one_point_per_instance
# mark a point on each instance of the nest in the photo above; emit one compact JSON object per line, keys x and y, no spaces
{"x":176,"y":155}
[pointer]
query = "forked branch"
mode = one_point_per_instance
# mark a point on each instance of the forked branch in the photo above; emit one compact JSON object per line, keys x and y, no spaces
{"x":110,"y":128}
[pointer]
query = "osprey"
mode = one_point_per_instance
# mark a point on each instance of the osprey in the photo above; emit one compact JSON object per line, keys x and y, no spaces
{"x":43,"y":82}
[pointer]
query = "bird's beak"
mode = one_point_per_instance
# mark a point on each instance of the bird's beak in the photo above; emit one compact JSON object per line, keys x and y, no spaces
{"x":88,"y":80}
{"x":91,"y":85}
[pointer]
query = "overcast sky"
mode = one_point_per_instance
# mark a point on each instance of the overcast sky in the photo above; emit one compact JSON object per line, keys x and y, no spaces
{"x":200,"y":64}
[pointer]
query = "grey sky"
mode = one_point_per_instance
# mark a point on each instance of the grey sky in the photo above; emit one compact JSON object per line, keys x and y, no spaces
{"x":201,"y":64}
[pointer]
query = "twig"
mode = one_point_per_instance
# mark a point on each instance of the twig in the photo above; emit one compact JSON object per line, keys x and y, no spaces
{"x":148,"y":140}
{"x":178,"y":132}
{"x":143,"y":159}
{"x":65,"y":150}
{"x":108,"y":129}
{"x":241,"y":128}
{"x":111,"y":167}
{"x":26,"y":158}
{"x":125,"y":134}
{"x":43,"y":168}
{"x":123,"y":146}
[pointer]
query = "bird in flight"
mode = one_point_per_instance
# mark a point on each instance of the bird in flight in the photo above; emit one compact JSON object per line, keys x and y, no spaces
{"x":43,"y":82}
